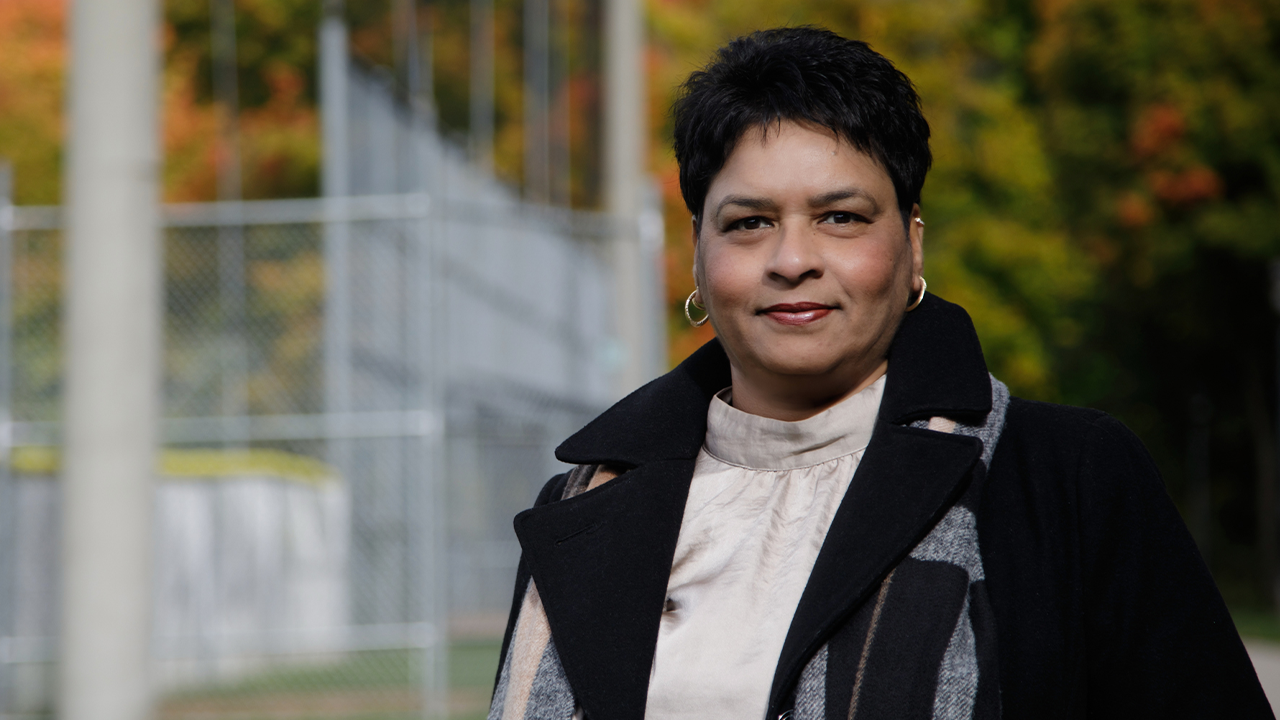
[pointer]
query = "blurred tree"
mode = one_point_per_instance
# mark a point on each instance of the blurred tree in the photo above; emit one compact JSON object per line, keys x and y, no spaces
{"x":1105,"y":172}
{"x":1105,"y":176}
{"x":995,"y":241}
{"x":1162,"y":119}
{"x":31,"y":96}
{"x":279,"y":126}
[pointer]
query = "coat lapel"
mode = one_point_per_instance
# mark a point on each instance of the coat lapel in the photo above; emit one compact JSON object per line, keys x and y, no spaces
{"x":601,"y":562}
{"x":906,"y":482}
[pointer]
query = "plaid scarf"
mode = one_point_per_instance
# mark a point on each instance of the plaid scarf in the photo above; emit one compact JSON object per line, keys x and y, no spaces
{"x":923,"y":646}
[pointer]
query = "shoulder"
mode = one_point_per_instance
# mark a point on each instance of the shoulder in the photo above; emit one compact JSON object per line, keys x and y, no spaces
{"x":1078,"y":465}
{"x":1067,"y":438}
{"x":1058,"y":423}
{"x":1077,"y":474}
{"x":1099,"y":592}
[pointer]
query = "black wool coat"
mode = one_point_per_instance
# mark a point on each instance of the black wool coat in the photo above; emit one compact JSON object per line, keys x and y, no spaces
{"x":1103,"y":607}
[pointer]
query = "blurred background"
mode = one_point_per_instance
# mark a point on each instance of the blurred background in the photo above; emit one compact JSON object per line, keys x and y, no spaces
{"x":390,"y":274}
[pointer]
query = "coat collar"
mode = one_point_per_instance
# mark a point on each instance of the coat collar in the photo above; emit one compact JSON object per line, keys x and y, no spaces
{"x":601,"y":560}
{"x":935,"y":368}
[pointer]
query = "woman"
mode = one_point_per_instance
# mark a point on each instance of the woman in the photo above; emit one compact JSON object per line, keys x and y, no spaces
{"x":833,"y":510}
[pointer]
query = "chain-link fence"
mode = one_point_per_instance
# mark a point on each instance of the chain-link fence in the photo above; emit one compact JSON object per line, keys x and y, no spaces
{"x":359,"y":393}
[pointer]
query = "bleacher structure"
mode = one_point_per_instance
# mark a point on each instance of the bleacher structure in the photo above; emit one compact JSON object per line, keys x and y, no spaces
{"x":360,"y":393}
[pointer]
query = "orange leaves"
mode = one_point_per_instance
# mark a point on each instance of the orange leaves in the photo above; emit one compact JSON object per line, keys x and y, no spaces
{"x":1174,"y":189}
{"x":1157,"y":141}
{"x":279,"y":141}
{"x":32,"y":33}
{"x":1156,"y":130}
{"x":1187,"y":187}
{"x":189,"y":136}
{"x":280,"y":149}
{"x":1134,"y":211}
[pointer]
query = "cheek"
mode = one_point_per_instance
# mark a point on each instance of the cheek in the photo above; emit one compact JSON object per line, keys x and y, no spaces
{"x":879,"y":274}
{"x":721,"y":279}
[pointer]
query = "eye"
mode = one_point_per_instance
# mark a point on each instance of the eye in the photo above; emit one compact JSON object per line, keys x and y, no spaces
{"x":842,"y":218}
{"x":748,"y":223}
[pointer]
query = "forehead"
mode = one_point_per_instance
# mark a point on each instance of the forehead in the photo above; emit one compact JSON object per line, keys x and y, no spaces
{"x":790,"y":161}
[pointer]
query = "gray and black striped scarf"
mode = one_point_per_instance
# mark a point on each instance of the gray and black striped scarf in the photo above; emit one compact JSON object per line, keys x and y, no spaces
{"x":923,"y":646}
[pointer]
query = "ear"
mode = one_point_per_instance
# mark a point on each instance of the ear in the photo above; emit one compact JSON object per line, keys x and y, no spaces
{"x":915,"y":236}
{"x":697,"y":263}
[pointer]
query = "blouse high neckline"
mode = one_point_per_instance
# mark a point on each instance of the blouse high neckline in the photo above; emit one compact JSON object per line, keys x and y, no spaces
{"x":760,"y":443}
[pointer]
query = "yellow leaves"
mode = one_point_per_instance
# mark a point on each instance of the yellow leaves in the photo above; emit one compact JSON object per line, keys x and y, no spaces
{"x":1156,"y":129}
{"x":32,"y":76}
{"x":995,"y":244}
{"x":286,"y":301}
{"x":1186,"y":187}
{"x":189,"y":132}
{"x":289,"y":286}
{"x":1134,"y":212}
{"x":280,"y":143}
{"x":1019,"y":285}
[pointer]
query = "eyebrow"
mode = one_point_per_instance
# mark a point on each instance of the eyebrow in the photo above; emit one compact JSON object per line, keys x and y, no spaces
{"x":844,"y":194}
{"x":751,"y":203}
{"x":755,"y":203}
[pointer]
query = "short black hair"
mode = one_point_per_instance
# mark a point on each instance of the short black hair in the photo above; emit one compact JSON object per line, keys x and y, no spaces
{"x":807,"y":75}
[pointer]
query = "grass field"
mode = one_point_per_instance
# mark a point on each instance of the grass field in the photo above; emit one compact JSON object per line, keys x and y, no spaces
{"x":377,"y":685}
{"x":383,"y":685}
{"x":1257,"y":624}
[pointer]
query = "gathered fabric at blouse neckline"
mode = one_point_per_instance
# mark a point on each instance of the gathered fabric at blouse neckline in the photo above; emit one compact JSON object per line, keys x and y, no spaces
{"x":760,"y":443}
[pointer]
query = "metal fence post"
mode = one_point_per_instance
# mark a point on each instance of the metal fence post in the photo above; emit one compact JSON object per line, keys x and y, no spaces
{"x":113,"y":301}
{"x":8,"y":535}
{"x":430,"y":328}
{"x":537,"y":92}
{"x":231,"y":248}
{"x":334,"y":84}
{"x":480,"y":116}
{"x":624,"y":130}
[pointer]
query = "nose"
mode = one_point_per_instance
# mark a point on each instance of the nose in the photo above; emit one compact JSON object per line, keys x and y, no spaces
{"x":797,"y":256}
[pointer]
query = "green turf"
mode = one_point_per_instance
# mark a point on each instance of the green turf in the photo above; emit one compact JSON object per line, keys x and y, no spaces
{"x":1257,"y":624}
{"x":472,"y":666}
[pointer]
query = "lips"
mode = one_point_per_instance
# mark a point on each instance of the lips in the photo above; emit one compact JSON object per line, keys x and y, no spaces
{"x":797,"y":313}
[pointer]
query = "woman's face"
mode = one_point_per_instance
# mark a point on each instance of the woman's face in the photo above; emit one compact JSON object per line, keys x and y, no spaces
{"x":805,"y":267}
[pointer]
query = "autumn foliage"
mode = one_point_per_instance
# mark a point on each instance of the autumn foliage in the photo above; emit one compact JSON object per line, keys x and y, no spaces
{"x":279,"y":125}
{"x":1103,"y":199}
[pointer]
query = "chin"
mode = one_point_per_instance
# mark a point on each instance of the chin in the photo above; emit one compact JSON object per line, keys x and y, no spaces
{"x":799,"y":365}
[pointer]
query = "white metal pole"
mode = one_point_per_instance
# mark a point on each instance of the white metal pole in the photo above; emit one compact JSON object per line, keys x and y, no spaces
{"x":112,"y":361}
{"x":231,"y":250}
{"x":226,"y":90}
{"x":537,"y":91}
{"x":336,"y":171}
{"x":335,"y":128}
{"x":482,"y":85}
{"x":425,"y":510}
{"x":8,"y":497}
{"x":624,"y":133}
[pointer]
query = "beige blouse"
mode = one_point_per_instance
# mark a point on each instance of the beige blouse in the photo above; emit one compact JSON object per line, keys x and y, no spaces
{"x":762,"y":497}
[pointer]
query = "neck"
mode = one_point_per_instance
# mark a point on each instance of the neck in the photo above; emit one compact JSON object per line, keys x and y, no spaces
{"x":798,"y":397}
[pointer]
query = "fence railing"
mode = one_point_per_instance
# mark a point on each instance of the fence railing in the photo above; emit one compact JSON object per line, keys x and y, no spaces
{"x":359,"y":394}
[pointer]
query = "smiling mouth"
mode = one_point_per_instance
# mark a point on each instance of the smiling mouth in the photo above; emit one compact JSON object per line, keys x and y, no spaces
{"x":797,"y":313}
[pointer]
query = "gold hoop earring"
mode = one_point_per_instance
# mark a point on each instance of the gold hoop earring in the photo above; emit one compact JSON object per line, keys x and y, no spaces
{"x":923,"y":286}
{"x":690,"y":301}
